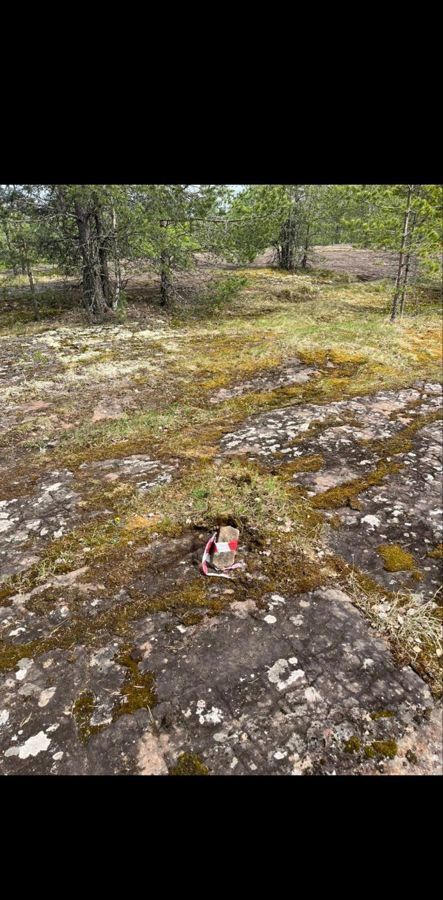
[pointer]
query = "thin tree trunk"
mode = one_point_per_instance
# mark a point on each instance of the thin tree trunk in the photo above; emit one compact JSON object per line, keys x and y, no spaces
{"x":103,"y":256}
{"x":33,"y":291}
{"x":165,"y":281}
{"x":286,"y":250}
{"x":304,"y":261}
{"x":397,"y":286}
{"x":93,"y":297}
{"x":288,"y":236}
{"x":402,"y":254}
{"x":117,"y":269}
{"x":405,"y":282}
{"x":10,"y":248}
{"x":407,"y":266}
{"x":27,"y":270}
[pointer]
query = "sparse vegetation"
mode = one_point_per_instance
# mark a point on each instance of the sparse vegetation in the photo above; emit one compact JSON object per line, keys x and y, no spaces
{"x":196,"y":355}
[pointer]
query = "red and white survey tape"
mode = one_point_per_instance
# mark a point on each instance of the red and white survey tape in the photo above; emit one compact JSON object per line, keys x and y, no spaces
{"x":221,"y":547}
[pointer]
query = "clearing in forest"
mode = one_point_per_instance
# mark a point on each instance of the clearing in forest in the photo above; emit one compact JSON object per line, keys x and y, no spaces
{"x":293,"y":411}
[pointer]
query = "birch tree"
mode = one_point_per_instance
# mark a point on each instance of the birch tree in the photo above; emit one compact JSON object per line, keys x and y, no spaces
{"x":405,"y":218}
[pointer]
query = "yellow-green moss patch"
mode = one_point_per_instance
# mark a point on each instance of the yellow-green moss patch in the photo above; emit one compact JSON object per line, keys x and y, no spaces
{"x":339,"y":496}
{"x":382,"y":714}
{"x":436,"y":553}
{"x":302,"y":464}
{"x":138,"y":688}
{"x":381,"y":750}
{"x":395,"y":559}
{"x":401,"y":442}
{"x":189,"y":764}
{"x":82,"y":712}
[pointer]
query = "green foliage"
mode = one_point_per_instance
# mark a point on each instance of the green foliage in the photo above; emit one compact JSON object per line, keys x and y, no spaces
{"x":255,"y":218}
{"x":165,"y":226}
{"x":174,"y":221}
{"x":375,"y":218}
{"x":19,"y":233}
{"x":264,"y":216}
{"x":223,"y":290}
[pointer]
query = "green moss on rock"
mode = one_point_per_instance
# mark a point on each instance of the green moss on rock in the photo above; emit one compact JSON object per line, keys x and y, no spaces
{"x":138,"y":687}
{"x":189,"y":764}
{"x":191,"y":618}
{"x":382,"y":714}
{"x":343,"y":494}
{"x":82,"y":712}
{"x":436,"y":553}
{"x":381,"y":750}
{"x":395,"y":559}
{"x":401,"y":441}
{"x":303,"y":464}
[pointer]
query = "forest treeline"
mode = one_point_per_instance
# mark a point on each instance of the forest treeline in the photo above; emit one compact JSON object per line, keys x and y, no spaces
{"x":95,"y":232}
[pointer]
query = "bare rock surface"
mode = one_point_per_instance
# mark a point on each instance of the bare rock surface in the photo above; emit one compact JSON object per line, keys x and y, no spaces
{"x":291,"y":373}
{"x":298,"y":686}
{"x":28,"y":522}
{"x":97,"y":680}
{"x":139,"y":468}
{"x":348,"y":440}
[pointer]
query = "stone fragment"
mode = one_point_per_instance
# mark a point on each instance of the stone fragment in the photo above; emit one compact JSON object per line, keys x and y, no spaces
{"x":225,"y":558}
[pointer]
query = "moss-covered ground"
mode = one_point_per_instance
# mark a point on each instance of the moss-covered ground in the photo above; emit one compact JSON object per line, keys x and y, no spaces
{"x":157,"y":371}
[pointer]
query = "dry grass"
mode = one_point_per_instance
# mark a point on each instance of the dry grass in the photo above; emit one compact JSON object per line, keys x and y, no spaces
{"x":412,"y":625}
